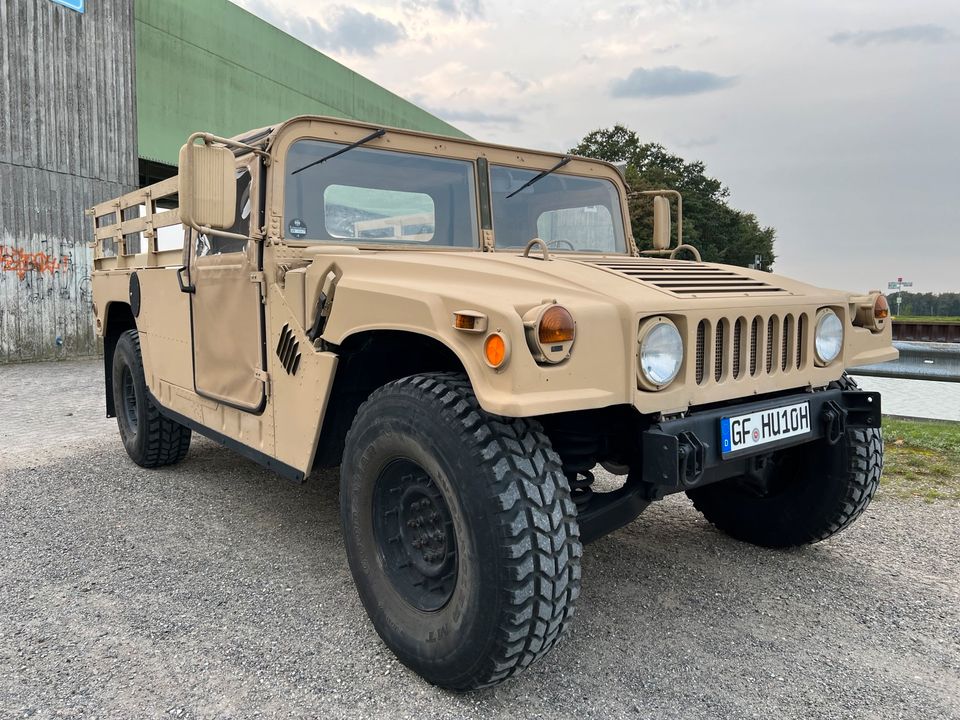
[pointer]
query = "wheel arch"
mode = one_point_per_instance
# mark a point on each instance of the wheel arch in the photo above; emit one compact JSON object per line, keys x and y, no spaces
{"x":369,"y":359}
{"x":117,"y":319}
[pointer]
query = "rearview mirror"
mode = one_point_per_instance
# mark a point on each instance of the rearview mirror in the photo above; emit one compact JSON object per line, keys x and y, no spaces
{"x":208,"y":186}
{"x":661,"y":223}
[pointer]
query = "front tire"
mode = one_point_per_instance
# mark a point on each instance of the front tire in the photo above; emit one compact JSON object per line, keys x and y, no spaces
{"x":806,"y":502}
{"x":150,"y":439}
{"x":459,"y":530}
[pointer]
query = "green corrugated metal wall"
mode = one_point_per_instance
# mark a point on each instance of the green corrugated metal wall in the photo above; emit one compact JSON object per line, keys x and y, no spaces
{"x":210,"y":65}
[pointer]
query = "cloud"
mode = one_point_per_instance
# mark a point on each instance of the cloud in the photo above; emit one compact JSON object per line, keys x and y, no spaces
{"x":452,"y":8}
{"x":668,"y":81}
{"x":922,"y":34}
{"x":699,"y":142}
{"x":474,"y":116}
{"x":346,"y":29}
{"x":353,"y":31}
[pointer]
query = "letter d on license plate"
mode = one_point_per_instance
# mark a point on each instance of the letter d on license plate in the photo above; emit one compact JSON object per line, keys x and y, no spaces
{"x":745,"y":432}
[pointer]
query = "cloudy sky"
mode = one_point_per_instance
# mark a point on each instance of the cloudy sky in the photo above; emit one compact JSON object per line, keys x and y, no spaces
{"x":836,"y":123}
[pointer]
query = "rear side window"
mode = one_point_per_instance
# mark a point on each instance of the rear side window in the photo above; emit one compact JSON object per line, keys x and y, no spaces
{"x":373,"y":214}
{"x":372,"y":196}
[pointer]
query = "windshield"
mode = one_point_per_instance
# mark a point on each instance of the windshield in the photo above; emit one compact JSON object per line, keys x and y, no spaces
{"x":378,"y":196}
{"x":568,"y":212}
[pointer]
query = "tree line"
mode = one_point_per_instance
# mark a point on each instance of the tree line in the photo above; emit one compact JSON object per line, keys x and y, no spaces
{"x":927,"y":304}
{"x":721,"y":233}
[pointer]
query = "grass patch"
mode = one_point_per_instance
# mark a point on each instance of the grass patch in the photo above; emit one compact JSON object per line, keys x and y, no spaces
{"x":926,"y":318}
{"x":921,"y":460}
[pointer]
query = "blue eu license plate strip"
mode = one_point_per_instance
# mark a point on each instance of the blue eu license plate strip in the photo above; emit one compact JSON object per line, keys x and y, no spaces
{"x":752,"y":430}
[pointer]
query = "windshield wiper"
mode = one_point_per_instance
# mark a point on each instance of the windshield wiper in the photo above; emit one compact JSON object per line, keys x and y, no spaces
{"x":541,"y":176}
{"x":372,"y":136}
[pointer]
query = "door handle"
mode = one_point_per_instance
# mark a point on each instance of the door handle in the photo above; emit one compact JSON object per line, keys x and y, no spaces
{"x":184,"y":288}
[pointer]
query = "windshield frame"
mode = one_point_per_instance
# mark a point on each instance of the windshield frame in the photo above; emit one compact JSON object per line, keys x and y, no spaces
{"x":341,"y":131}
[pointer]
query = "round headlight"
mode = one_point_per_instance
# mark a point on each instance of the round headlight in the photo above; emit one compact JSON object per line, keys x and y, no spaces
{"x":661,"y":353}
{"x":829,"y":336}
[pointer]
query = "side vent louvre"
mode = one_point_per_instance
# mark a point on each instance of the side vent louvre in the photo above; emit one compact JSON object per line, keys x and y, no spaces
{"x":288,"y":350}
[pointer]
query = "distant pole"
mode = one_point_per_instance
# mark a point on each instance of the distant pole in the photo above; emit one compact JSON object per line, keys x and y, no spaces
{"x":898,"y":285}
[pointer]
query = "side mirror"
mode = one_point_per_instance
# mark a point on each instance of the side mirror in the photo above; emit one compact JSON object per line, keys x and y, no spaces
{"x":661,"y":223}
{"x":208,"y":186}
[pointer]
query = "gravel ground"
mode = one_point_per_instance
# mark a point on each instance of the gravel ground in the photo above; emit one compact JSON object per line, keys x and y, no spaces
{"x":216,"y":589}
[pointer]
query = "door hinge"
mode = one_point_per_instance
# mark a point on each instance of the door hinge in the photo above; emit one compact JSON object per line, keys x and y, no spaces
{"x":257,"y":277}
{"x":264,"y":377}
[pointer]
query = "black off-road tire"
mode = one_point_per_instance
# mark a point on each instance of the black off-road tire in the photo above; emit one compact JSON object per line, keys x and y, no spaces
{"x":150,"y":439}
{"x":810,"y":504}
{"x":506,"y":523}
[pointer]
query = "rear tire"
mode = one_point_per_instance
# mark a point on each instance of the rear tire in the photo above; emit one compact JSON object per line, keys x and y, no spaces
{"x":459,"y":530}
{"x":150,"y":439}
{"x":807,"y":503}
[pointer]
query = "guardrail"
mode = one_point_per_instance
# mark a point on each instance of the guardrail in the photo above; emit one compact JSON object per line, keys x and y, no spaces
{"x":926,"y":331}
{"x":918,"y":361}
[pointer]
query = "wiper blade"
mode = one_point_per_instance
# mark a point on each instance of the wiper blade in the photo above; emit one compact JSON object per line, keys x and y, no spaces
{"x":372,"y":136}
{"x":536,"y":178}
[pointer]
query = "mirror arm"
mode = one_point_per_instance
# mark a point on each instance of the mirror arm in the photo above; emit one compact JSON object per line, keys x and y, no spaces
{"x":209,"y":139}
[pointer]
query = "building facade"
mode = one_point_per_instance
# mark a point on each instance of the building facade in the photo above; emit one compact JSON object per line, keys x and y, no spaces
{"x":96,"y":98}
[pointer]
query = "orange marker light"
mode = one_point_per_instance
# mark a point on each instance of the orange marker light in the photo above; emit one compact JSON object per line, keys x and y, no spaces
{"x":556,"y":326}
{"x":495,"y":350}
{"x":881,"y":308}
{"x":464,"y":322}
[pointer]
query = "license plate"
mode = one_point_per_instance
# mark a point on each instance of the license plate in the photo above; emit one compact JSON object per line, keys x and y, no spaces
{"x":745,"y":432}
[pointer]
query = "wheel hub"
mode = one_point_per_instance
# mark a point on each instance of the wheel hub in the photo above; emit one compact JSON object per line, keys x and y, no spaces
{"x":415,"y":535}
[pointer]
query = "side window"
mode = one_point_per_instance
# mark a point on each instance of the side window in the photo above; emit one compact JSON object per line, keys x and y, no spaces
{"x":373,"y":214}
{"x":216,"y":245}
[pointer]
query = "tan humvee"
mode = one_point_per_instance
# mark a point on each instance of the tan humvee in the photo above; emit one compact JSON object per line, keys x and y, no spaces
{"x":468,"y":330}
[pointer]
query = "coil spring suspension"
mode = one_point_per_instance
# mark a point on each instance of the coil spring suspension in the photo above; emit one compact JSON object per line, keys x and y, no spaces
{"x":579,"y":455}
{"x":580,"y":490}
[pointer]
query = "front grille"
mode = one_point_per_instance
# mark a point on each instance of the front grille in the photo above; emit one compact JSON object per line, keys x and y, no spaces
{"x":688,"y":279}
{"x":741,"y":348}
{"x":719,"y":355}
{"x":701,"y":346}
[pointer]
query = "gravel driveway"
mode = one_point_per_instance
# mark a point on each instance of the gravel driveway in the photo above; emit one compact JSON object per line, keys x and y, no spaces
{"x":216,"y":589}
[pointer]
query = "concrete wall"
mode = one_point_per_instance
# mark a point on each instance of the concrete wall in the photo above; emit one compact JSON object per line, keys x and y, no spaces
{"x":67,"y":140}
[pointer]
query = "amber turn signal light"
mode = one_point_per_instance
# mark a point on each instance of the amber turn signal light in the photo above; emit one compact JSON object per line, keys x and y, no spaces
{"x":556,"y":326}
{"x":881,"y":308}
{"x":495,"y":350}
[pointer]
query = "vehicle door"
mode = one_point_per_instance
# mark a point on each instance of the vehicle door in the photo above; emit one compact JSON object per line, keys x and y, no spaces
{"x":227,"y":319}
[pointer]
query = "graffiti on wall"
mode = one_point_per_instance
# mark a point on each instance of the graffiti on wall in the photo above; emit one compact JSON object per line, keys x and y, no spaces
{"x":21,"y":262}
{"x":45,"y":298}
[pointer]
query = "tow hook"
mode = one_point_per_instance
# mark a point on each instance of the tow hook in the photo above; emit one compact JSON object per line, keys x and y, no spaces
{"x":690,"y":458}
{"x":835,"y":422}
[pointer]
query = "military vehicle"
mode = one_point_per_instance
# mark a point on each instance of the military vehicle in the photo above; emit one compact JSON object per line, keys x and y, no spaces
{"x":468,"y":330}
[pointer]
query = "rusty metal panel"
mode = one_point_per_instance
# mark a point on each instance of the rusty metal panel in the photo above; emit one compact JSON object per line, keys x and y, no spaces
{"x":67,"y":140}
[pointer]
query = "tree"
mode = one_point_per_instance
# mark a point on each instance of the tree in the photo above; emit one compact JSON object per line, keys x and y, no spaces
{"x":720,"y":232}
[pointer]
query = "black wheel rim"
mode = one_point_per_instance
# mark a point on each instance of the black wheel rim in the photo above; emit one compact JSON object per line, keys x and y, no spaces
{"x":415,"y":535}
{"x":129,"y":399}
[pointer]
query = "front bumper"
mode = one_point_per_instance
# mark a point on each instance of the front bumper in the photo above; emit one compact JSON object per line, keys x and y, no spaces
{"x":685,"y":453}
